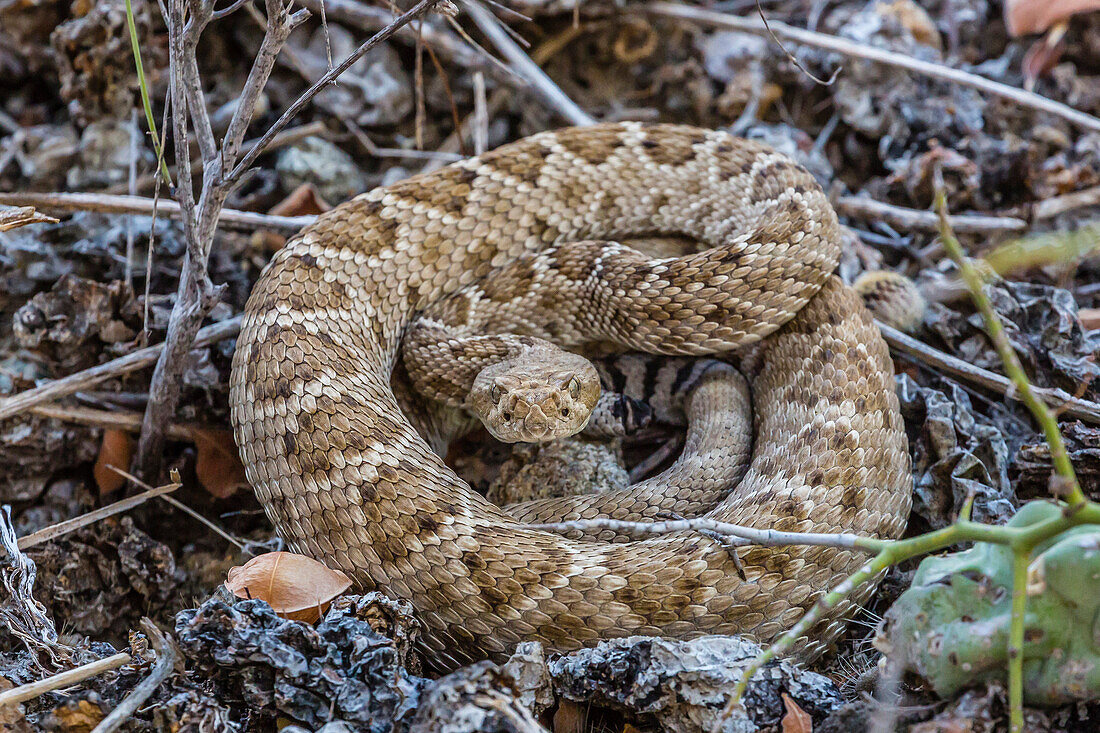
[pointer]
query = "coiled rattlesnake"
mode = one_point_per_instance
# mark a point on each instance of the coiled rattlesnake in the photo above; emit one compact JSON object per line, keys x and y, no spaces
{"x":347,"y":479}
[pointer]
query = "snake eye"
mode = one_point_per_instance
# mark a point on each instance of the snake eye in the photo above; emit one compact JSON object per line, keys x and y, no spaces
{"x":494,"y":393}
{"x":574,"y":388}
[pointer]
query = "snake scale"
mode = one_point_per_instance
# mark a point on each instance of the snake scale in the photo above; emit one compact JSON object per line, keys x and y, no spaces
{"x":347,"y":479}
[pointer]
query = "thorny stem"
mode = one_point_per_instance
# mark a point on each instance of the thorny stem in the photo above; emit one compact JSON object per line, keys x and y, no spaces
{"x":1069,"y":487}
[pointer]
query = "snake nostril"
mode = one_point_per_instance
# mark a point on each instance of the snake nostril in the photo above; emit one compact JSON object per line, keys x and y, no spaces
{"x":507,"y":416}
{"x":565,"y":412}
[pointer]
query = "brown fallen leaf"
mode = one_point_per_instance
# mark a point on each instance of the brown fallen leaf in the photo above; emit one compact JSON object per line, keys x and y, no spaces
{"x":217,"y":464}
{"x":1090,"y":318}
{"x":569,"y":718}
{"x":1035,"y":16}
{"x":796,"y":720}
{"x":116,"y":449}
{"x":302,"y":201}
{"x":21,"y":217}
{"x":295,"y":586}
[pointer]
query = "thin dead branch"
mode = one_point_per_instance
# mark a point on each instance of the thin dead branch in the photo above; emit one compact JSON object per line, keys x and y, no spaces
{"x":167,"y":658}
{"x":58,"y":388}
{"x":861,"y":207}
{"x":196,"y":294}
{"x":372,"y":19}
{"x":733,"y":535}
{"x":59,"y":681}
{"x":1057,"y":399}
{"x":541,"y":84}
{"x":21,"y":217}
{"x":300,"y":103}
{"x":1052,"y":207}
{"x":71,"y":525}
{"x":116,"y":204}
{"x":871,"y":53}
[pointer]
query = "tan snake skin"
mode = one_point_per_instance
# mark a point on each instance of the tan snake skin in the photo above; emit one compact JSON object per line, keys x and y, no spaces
{"x":346,"y":478}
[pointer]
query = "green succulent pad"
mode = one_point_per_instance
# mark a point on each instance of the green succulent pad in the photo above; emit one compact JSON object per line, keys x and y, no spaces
{"x":951,"y":627}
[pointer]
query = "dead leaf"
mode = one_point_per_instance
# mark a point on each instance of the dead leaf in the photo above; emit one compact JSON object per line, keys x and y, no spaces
{"x":1090,"y":318}
{"x":116,"y":449}
{"x":217,"y":464}
{"x":295,"y":586}
{"x":569,"y":718}
{"x":796,"y":720}
{"x":302,"y":201}
{"x":21,"y":217}
{"x":78,"y":716}
{"x":1044,"y":55}
{"x":1035,"y":16}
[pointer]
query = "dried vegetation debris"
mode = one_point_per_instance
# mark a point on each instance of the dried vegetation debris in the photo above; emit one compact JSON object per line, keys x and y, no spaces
{"x":342,"y":669}
{"x":67,"y":88}
{"x":684,"y":685}
{"x":102,"y":579}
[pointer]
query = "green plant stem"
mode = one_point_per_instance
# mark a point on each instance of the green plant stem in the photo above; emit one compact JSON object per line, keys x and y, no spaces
{"x":1070,"y":488}
{"x":135,"y":45}
{"x":1022,"y":540}
{"x":1020,"y":558}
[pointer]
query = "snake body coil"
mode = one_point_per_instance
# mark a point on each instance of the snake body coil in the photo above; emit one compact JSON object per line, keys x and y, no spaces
{"x":346,"y":478}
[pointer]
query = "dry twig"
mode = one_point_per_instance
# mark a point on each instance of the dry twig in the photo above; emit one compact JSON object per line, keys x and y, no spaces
{"x":71,"y":525}
{"x":21,"y":217}
{"x":167,"y":657}
{"x":863,"y":207}
{"x":58,"y":388}
{"x":61,"y":680}
{"x":117,"y":204}
{"x":1055,"y":398}
{"x":878,"y":55}
{"x":541,"y":84}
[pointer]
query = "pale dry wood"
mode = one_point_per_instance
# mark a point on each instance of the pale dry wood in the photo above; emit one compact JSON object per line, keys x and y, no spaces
{"x":905,"y":218}
{"x":872,"y":53}
{"x":21,"y":217}
{"x":71,"y":525}
{"x":57,"y":388}
{"x":121,"y":204}
{"x":1057,"y":399}
{"x":541,"y":84}
{"x":59,"y":681}
{"x":1052,"y":207}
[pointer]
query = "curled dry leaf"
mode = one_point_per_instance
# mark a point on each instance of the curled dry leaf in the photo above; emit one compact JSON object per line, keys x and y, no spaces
{"x":21,"y":217}
{"x":1035,"y":16}
{"x":295,"y":586}
{"x":796,"y":720}
{"x":218,"y":466}
{"x":116,"y":449}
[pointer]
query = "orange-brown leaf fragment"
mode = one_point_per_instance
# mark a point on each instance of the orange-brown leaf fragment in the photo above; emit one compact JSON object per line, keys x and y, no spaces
{"x":116,"y":449}
{"x":796,"y":720}
{"x":218,"y":466}
{"x":1035,"y":16}
{"x":295,"y":586}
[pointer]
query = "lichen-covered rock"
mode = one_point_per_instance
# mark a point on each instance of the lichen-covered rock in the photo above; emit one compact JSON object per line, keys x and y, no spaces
{"x":479,"y":698}
{"x":951,"y":628}
{"x":342,"y":669}
{"x":686,"y":684}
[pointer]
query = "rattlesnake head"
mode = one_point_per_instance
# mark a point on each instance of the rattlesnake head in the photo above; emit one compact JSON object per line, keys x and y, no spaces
{"x":538,"y":395}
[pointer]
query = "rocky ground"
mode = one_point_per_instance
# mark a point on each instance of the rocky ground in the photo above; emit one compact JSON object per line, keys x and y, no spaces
{"x":94,"y":286}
